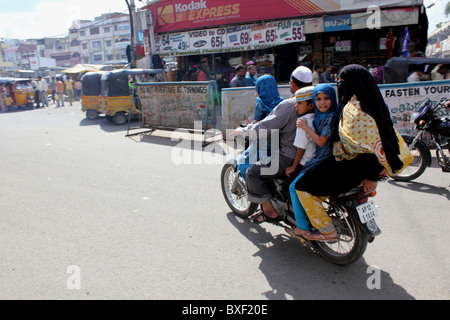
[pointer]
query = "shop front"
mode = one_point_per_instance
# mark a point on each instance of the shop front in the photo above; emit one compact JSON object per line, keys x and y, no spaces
{"x":326,"y":35}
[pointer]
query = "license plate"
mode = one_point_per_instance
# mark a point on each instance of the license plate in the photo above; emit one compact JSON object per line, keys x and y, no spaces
{"x":367,"y":211}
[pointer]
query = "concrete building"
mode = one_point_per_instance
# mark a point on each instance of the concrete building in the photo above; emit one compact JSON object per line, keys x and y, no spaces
{"x":439,"y":42}
{"x":102,"y":41}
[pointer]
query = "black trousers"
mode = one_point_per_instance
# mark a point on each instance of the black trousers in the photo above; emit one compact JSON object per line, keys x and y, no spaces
{"x":259,"y":176}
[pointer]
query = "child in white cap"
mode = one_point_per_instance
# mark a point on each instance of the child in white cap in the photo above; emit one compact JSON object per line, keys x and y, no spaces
{"x":306,"y":147}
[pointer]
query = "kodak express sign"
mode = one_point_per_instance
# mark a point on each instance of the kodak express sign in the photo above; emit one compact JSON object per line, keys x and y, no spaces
{"x":176,"y":15}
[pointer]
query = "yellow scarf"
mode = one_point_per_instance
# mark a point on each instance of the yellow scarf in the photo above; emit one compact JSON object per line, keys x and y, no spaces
{"x":359,"y":134}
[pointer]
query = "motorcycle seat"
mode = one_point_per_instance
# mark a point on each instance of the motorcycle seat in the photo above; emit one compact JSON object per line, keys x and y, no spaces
{"x":350,"y":192}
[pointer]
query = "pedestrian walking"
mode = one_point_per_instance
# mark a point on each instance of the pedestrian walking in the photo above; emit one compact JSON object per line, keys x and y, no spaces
{"x":59,"y":94}
{"x":35,"y":85}
{"x":3,"y":107}
{"x":43,"y":88}
{"x":53,"y":89}
{"x":69,"y":90}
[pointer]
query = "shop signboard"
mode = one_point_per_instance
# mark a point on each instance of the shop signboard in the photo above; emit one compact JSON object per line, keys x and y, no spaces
{"x":208,"y":39}
{"x":343,"y":46}
{"x":337,"y":23}
{"x":233,"y":38}
{"x":290,"y":31}
{"x":172,"y":42}
{"x":265,"y":33}
{"x":239,"y":36}
{"x":177,"y":15}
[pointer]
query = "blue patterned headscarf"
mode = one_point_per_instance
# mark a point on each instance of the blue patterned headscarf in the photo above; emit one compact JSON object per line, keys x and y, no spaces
{"x":268,"y":96}
{"x":331,"y":93}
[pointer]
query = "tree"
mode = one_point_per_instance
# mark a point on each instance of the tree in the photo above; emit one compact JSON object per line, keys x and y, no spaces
{"x":447,"y":9}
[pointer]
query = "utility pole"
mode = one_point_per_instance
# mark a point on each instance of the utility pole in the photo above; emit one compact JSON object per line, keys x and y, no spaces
{"x":132,"y":10}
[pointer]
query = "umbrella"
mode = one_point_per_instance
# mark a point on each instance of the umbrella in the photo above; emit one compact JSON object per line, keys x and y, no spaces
{"x":81,"y":68}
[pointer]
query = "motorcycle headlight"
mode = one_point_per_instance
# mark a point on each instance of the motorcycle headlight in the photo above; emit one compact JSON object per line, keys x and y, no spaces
{"x":413,"y":117}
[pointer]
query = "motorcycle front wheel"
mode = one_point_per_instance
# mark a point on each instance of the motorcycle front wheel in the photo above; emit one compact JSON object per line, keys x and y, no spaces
{"x":235,"y":192}
{"x":352,"y":239}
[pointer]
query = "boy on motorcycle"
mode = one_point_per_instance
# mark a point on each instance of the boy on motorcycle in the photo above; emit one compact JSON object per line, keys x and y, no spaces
{"x":283,"y":118}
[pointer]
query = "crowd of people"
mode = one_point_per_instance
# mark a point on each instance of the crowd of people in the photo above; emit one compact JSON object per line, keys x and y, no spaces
{"x":326,"y":146}
{"x":59,"y":88}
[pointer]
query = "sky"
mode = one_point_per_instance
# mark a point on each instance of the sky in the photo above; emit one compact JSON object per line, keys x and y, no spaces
{"x":436,"y":13}
{"x":34,"y":19}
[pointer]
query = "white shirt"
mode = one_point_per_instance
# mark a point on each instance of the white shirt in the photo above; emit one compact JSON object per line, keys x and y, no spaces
{"x":43,"y":86}
{"x":304,"y":141}
{"x":413,"y":77}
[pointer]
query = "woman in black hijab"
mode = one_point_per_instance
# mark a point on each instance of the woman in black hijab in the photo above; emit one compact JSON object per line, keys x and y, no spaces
{"x":356,"y":80}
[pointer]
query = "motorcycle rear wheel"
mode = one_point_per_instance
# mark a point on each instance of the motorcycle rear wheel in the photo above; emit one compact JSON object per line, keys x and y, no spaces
{"x":421,"y":160}
{"x":237,"y":198}
{"x":350,"y":246}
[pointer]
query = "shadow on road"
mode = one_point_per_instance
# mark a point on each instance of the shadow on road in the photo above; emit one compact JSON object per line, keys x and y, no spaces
{"x":422,"y":187}
{"x":295,"y":271}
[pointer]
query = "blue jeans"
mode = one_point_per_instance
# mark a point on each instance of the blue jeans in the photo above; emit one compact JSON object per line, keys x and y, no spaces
{"x":253,"y":154}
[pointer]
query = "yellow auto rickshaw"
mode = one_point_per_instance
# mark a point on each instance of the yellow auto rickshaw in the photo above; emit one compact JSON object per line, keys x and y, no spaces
{"x":19,"y":93}
{"x":90,"y":94}
{"x":115,"y":99}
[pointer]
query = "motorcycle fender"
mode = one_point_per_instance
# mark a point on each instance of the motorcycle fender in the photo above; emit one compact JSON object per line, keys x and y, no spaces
{"x":409,"y":139}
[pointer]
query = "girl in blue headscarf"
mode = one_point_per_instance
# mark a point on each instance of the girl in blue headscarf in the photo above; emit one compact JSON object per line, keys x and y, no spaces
{"x":268,"y":98}
{"x":326,"y":109}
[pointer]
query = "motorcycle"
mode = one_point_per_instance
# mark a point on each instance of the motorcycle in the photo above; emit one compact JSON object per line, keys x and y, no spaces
{"x":427,"y":119}
{"x":352,"y":214}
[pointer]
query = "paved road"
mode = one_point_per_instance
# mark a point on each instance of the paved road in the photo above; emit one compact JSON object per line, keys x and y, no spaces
{"x":87,"y":213}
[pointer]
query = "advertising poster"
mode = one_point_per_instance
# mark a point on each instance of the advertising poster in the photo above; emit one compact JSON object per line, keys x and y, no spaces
{"x":208,"y":40}
{"x":173,"y":42}
{"x":290,"y":31}
{"x":239,"y":36}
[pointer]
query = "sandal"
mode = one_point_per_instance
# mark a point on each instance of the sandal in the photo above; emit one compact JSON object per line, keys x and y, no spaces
{"x":266,"y":218}
{"x":292,"y":233}
{"x":317,"y":236}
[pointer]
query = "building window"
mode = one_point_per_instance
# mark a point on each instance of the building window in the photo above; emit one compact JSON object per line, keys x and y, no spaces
{"x":107,"y":30}
{"x":96,"y":46}
{"x":98,"y":57}
{"x":83,"y":33}
{"x":109,"y":57}
{"x":108,"y":43}
{"x":94,"y":30}
{"x":84,"y":46}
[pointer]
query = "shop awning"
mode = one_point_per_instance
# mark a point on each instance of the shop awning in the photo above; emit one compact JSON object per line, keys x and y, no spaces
{"x":80,"y":68}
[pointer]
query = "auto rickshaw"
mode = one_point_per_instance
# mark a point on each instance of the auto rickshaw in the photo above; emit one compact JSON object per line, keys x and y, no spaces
{"x":19,"y":93}
{"x":115,"y":99}
{"x":397,"y":69}
{"x":90,"y":94}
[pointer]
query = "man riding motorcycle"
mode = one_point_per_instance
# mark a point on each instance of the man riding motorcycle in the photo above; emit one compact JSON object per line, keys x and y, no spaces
{"x":283,"y":118}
